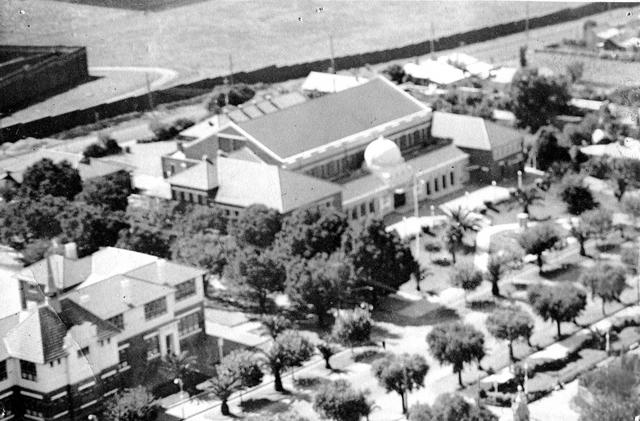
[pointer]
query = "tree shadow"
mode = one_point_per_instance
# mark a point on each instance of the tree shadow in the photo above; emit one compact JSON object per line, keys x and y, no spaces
{"x":378,"y":331}
{"x":404,"y":312}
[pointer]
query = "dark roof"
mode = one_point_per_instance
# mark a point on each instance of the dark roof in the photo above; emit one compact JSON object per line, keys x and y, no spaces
{"x":73,"y":314}
{"x":39,"y":337}
{"x":322,"y":120}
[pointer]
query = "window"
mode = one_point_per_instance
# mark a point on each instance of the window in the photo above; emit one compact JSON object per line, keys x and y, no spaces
{"x":444,"y":181}
{"x":155,"y":308}
{"x":363,"y":209}
{"x":185,"y":289}
{"x":372,"y":207}
{"x":153,"y":346}
{"x":435,"y":184}
{"x":201,"y":199}
{"x":122,"y":357}
{"x":174,"y":196}
{"x":354,"y":213}
{"x":189,"y":323}
{"x":117,"y":321}
{"x":28,"y":370}
{"x":3,"y":370}
{"x":191,"y":197}
{"x":416,"y":137}
{"x":83,"y":352}
{"x":182,"y":196}
{"x":428,"y":184}
{"x":33,"y":413}
{"x":102,"y":341}
{"x":451,"y":178}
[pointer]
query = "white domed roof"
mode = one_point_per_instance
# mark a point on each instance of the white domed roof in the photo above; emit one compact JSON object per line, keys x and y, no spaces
{"x":382,"y":153}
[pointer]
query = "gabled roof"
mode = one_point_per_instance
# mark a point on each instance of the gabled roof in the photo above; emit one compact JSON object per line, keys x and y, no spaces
{"x":38,"y":338}
{"x":115,"y":295}
{"x":472,"y":132}
{"x":66,"y":272}
{"x":163,"y":272}
{"x":323,"y":120}
{"x":201,"y":176}
{"x":73,"y":314}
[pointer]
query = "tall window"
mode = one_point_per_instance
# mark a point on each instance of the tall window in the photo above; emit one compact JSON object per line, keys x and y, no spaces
{"x":122,"y":357}
{"x":372,"y":207}
{"x":117,"y":321}
{"x":435,"y":184}
{"x":428,"y":184}
{"x":451,"y":178}
{"x":28,"y":370}
{"x":363,"y":209}
{"x":155,"y":308}
{"x":3,"y":370}
{"x":153,"y":346}
{"x":189,"y":323}
{"x":444,"y":181}
{"x":185,"y":289}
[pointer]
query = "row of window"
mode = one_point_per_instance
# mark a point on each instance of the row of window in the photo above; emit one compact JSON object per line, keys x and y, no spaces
{"x":440,"y":183}
{"x":363,"y":210}
{"x":155,"y":308}
{"x":200,"y":199}
{"x":185,"y":289}
{"x":189,"y":324}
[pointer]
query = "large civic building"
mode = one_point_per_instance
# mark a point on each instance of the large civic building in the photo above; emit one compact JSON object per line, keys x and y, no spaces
{"x":86,"y":327}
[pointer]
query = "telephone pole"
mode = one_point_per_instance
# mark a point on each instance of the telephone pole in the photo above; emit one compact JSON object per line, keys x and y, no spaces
{"x":432,"y":41}
{"x":333,"y":60}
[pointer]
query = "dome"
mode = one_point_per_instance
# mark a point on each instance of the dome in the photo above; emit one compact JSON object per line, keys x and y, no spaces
{"x":382,"y":153}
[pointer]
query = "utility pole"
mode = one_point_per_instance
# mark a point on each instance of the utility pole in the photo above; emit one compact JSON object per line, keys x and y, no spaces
{"x":230,"y":69}
{"x":432,"y":41}
{"x":333,"y":60}
{"x":149,"y":96}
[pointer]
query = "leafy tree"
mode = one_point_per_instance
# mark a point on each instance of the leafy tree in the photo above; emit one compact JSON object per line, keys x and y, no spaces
{"x":562,"y":303}
{"x":576,"y":195}
{"x":500,"y":262}
{"x":380,"y":259}
{"x":631,"y":206}
{"x":327,"y":350}
{"x":575,"y":70}
{"x":177,"y":366}
{"x":307,"y":232}
{"x":275,"y":324}
{"x":201,"y":219}
{"x":210,"y":251}
{"x":420,"y":412}
{"x":318,"y":284}
{"x":25,"y":220}
{"x":110,"y":191}
{"x":456,"y":344}
{"x":395,"y":72}
{"x":257,"y":226}
{"x":599,"y":222}
{"x":538,"y":98}
{"x":34,"y":251}
{"x":509,"y":324}
{"x":451,"y":407}
{"x":538,"y":239}
{"x":289,"y":349}
{"x":606,"y":281}
{"x":546,"y":148}
{"x":236,"y":371}
{"x":581,"y":232}
{"x":352,"y":327}
{"x":144,"y":241}
{"x":106,"y":145}
{"x":629,"y":257}
{"x":90,"y":227}
{"x":338,"y":401}
{"x":239,"y":94}
{"x":527,"y":197}
{"x":164,"y":215}
{"x":256,"y":275}
{"x":466,"y":276}
{"x":222,"y":386}
{"x":401,"y":374}
{"x":48,"y":178}
{"x":135,"y":404}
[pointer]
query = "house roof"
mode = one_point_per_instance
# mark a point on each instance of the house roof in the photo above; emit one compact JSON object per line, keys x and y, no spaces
{"x":66,"y":272}
{"x":38,"y":338}
{"x":329,"y":82}
{"x":201,"y":176}
{"x":243,"y":183}
{"x":103,"y":267}
{"x":435,"y":71}
{"x":115,"y":295}
{"x":317,"y":122}
{"x":163,"y":272}
{"x":471,"y":132}
{"x":73,"y":314}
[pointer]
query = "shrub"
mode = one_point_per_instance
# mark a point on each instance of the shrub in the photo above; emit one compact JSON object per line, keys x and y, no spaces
{"x":239,"y":94}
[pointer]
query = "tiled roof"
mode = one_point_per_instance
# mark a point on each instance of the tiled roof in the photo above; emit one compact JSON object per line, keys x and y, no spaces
{"x":163,"y":272}
{"x":38,"y":338}
{"x":115,"y":295}
{"x":472,"y":132}
{"x":322,"y":120}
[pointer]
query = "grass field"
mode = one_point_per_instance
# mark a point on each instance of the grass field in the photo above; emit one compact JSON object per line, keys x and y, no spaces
{"x":197,"y":37}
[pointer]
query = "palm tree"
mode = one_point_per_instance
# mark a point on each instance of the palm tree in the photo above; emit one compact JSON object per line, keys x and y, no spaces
{"x":527,"y":197}
{"x":459,"y":221}
{"x":177,"y":366}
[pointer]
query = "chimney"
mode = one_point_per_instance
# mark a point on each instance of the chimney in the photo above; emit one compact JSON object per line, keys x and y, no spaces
{"x":71,"y":251}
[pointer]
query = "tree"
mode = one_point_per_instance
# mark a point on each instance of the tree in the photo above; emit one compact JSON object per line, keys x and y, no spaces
{"x":338,"y":401}
{"x":135,"y":404}
{"x":144,"y":241}
{"x":106,"y":145}
{"x":201,"y":219}
{"x":401,"y":374}
{"x":381,"y":259}
{"x":538,"y":239}
{"x":576,"y":195}
{"x":575,"y":70}
{"x":236,"y":371}
{"x":256,"y":275}
{"x":451,"y":407}
{"x":90,"y":227}
{"x":177,"y":366}
{"x":421,"y":412}
{"x":395,"y":72}
{"x":562,"y":303}
{"x":223,"y":385}
{"x":466,"y":276}
{"x":327,"y":350}
{"x":109,"y":191}
{"x":288,"y":350}
{"x":352,"y":327}
{"x":527,"y":197}
{"x":605,"y":281}
{"x":599,"y":222}
{"x":546,"y":148}
{"x":509,"y":324}
{"x":459,"y":222}
{"x":498,"y":263}
{"x":34,"y":251}
{"x":538,"y":98}
{"x":318,"y":284}
{"x":239,"y":94}
{"x":257,"y":226}
{"x":48,"y":178}
{"x":456,"y":344}
{"x":581,"y":232}
{"x":307,"y":232}
{"x":25,"y":220}
{"x":452,"y":238}
{"x":209,"y":251}
{"x":275,"y":324}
